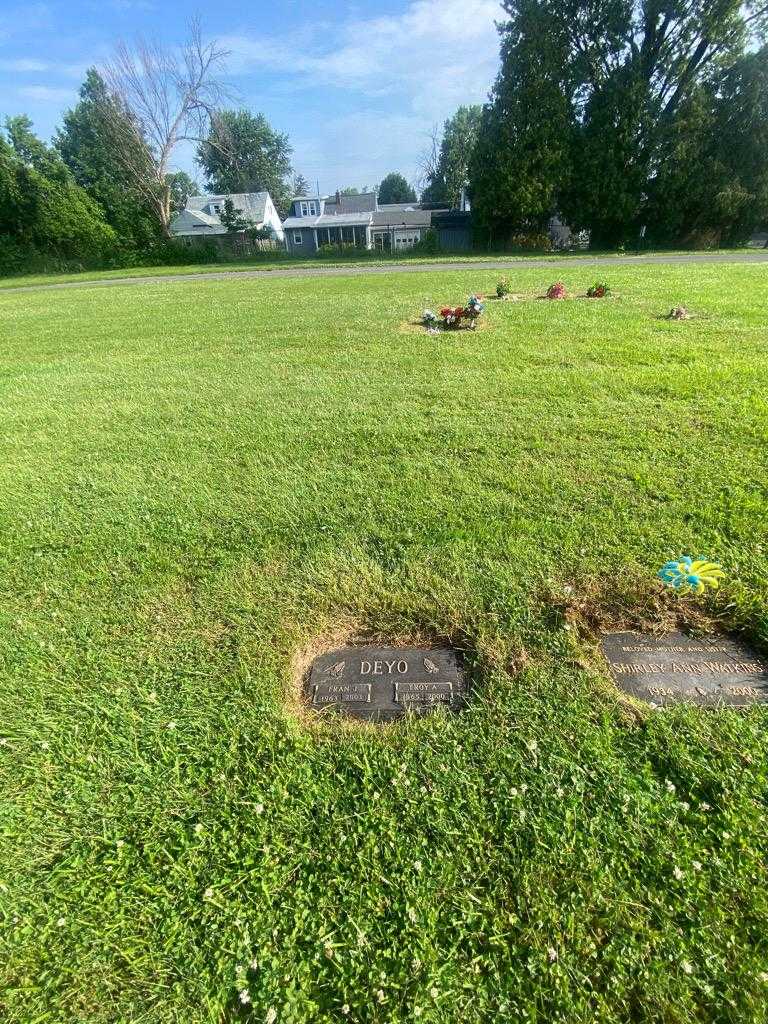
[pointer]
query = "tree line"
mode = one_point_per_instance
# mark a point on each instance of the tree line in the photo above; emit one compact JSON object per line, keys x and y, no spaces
{"x":627,"y":119}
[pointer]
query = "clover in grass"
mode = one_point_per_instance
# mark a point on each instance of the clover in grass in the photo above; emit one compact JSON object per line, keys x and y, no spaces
{"x":692,"y":574}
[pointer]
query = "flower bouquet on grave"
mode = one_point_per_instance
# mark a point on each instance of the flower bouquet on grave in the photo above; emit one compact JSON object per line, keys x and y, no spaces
{"x":473,"y":310}
{"x":428,"y":318}
{"x":452,"y":316}
{"x":502,"y":288}
{"x":556,"y":291}
{"x":598,"y":291}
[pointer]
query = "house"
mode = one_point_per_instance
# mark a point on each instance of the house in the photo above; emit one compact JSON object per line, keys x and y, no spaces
{"x":201,"y":217}
{"x":353,"y":220}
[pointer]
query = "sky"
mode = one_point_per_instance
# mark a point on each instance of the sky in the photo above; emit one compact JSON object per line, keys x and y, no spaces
{"x":358,"y":87}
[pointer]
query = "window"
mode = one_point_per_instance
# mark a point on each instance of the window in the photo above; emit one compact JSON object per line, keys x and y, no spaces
{"x":308,"y":209}
{"x":298,"y":238}
{"x":216,"y":208}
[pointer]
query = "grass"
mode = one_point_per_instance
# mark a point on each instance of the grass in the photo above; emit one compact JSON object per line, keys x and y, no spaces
{"x":287,"y":261}
{"x":199,"y":482}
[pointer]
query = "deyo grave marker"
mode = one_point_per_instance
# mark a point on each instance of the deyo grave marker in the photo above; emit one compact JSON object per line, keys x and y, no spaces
{"x":383,"y":683}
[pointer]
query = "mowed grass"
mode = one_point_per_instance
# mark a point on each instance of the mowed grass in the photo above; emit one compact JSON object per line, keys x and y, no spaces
{"x":198,"y":482}
{"x":285,"y":261}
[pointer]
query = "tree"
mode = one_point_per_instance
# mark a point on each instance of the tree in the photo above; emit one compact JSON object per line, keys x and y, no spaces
{"x":182,"y":187}
{"x":300,"y":186}
{"x":611,"y":81}
{"x":233,"y":219}
{"x":159,"y":100}
{"x":31,"y":151}
{"x":448,"y":175}
{"x":243,"y":154}
{"x":395,"y":189}
{"x":710,"y":185}
{"x":44,"y":214}
{"x":87,"y":142}
{"x":520,"y":162}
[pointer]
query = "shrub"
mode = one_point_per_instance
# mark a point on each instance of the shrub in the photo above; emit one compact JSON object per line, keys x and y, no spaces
{"x":429,"y":243}
{"x":535,"y":241}
{"x":333,"y":251}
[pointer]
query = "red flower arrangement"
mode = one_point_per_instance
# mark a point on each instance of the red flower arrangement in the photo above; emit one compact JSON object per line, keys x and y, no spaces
{"x":452,"y":317}
{"x":556,"y":290}
{"x":598,"y":291}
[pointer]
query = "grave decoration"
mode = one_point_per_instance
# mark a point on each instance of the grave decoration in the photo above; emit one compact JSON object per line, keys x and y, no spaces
{"x":556,"y":291}
{"x":502,"y":288}
{"x":678,"y":313}
{"x":691,"y":575}
{"x":598,"y":290}
{"x":454,"y":315}
{"x":672,"y":668}
{"x":379,"y":684}
{"x":429,"y":319}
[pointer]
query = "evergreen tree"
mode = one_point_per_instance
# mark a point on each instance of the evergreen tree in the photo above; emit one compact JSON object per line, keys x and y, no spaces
{"x":521,"y":159}
{"x":587,"y":101}
{"x":86,"y":143}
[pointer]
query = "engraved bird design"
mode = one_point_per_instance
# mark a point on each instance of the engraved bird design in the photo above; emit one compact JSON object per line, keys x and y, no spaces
{"x":336,"y":670}
{"x":430,"y":666}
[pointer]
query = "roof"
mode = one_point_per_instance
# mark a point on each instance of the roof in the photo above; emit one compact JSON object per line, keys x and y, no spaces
{"x":387,"y":207}
{"x":193,"y":222}
{"x":252,"y":204}
{"x":365,"y":202}
{"x":402,"y":218}
{"x":329,"y":220}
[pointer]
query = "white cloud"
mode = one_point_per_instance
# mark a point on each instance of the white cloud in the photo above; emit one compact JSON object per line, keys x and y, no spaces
{"x":436,"y":55}
{"x":26,"y":65}
{"x":23,"y":65}
{"x":359,"y":149}
{"x":47,"y":93}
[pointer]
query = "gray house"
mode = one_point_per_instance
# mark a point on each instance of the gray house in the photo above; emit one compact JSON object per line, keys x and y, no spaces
{"x":202,"y":215}
{"x":353,"y":220}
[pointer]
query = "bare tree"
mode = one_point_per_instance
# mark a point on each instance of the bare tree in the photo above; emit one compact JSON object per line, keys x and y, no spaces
{"x":430,"y":159}
{"x":159,"y":99}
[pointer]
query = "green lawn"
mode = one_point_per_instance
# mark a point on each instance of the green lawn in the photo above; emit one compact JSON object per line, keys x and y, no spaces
{"x":285,"y":261}
{"x":201,"y":482}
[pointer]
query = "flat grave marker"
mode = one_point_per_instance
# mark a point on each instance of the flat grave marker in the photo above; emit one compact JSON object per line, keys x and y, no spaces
{"x":382,"y":683}
{"x":671,"y":668}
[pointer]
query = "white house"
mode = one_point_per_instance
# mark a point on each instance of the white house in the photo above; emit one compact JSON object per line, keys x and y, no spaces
{"x":202,"y":214}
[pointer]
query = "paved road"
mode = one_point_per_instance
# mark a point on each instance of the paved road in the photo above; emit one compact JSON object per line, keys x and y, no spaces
{"x":760,"y":256}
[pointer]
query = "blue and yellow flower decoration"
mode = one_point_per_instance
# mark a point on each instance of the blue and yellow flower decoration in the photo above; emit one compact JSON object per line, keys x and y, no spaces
{"x":694,"y":574}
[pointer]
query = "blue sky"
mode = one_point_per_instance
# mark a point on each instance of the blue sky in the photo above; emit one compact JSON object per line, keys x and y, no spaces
{"x":357,"y":86}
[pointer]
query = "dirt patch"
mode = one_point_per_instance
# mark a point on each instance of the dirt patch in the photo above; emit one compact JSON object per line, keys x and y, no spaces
{"x":417,"y":327}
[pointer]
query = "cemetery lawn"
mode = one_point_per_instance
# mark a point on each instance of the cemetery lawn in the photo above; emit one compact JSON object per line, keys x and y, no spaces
{"x":199,"y":482}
